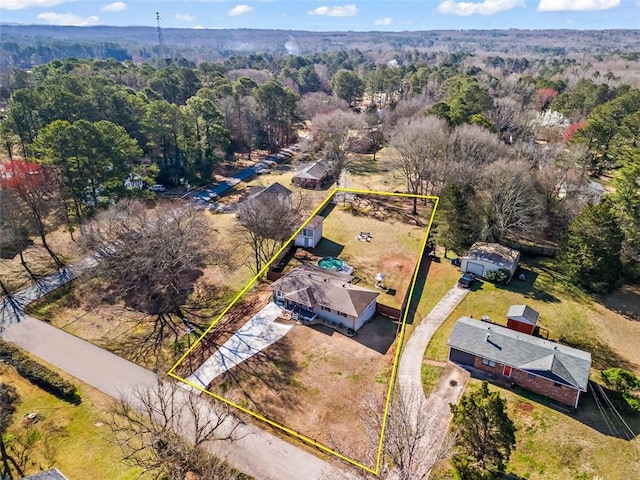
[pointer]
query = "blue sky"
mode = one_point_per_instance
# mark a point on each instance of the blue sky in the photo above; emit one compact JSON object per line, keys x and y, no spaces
{"x":322,"y":15}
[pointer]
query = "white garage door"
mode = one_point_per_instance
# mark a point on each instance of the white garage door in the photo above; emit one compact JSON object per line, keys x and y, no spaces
{"x":475,"y":268}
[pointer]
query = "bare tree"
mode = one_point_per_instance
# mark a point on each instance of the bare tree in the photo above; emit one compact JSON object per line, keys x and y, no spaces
{"x":165,"y":430}
{"x":419,"y":149}
{"x":512,"y":203}
{"x":266,"y":224}
{"x":469,"y":149}
{"x":409,"y":448}
{"x":505,"y":117}
{"x":319,"y":103}
{"x":336,"y":133}
{"x":151,"y":260}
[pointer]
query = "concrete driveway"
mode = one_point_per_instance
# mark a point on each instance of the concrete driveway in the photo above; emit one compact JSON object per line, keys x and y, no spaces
{"x":258,"y":333}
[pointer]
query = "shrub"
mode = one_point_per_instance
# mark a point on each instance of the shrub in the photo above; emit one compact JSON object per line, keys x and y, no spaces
{"x":498,"y":276}
{"x":625,"y":383}
{"x":38,"y":374}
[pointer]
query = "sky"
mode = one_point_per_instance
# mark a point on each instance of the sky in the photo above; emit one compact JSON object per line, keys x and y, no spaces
{"x":325,"y":15}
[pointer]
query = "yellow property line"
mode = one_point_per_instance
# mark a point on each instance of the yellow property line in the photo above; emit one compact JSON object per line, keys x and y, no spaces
{"x":400,"y":339}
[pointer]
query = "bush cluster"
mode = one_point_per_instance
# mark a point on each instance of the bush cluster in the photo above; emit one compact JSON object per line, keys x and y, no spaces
{"x":498,"y":276}
{"x":38,"y":374}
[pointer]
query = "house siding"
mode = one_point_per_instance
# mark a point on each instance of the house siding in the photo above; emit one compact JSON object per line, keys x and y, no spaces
{"x":562,"y":394}
{"x":369,"y":312}
{"x":332,"y":316}
{"x":533,"y":383}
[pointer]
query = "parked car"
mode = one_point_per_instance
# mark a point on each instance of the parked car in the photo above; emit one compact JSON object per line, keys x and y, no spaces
{"x":467,"y":280}
{"x":158,"y":187}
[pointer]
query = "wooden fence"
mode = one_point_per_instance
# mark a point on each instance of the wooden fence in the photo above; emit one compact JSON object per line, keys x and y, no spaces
{"x":387,"y":311}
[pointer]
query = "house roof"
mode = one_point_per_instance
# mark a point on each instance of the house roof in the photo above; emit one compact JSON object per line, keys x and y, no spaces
{"x":275,"y":190}
{"x":556,"y":362}
{"x":53,"y":474}
{"x":315,"y":222}
{"x":315,"y":286}
{"x":523,"y":314}
{"x":316,"y":171}
{"x":495,"y":253}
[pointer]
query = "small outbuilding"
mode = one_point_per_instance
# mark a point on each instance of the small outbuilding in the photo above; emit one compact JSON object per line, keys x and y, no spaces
{"x":522,"y":318}
{"x":312,"y":176}
{"x":486,"y":257}
{"x":311,"y":233}
{"x":53,"y":474}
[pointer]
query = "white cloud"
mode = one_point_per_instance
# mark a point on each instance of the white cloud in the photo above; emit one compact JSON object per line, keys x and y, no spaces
{"x":576,"y":5}
{"x":486,"y":7}
{"x":21,"y":4}
{"x":68,"y":19}
{"x":337,"y":11}
{"x":383,"y":21}
{"x":239,"y":10}
{"x":185,"y":17}
{"x":198,"y":27}
{"x":114,"y":7}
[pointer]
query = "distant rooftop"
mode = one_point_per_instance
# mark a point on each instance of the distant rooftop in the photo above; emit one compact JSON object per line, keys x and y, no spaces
{"x":53,"y":474}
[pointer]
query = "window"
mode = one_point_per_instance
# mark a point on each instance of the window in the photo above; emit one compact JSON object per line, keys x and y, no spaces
{"x":307,"y":232}
{"x":488,"y":363}
{"x":326,"y":309}
{"x":341,"y":314}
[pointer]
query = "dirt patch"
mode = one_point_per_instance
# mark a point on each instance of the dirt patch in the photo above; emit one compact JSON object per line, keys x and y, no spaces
{"x":315,"y":381}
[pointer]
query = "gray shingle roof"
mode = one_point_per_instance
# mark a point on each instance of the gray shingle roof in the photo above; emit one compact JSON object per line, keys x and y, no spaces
{"x":53,"y":474}
{"x":316,"y":171}
{"x":551,"y":360}
{"x":315,"y":286}
{"x":495,"y":253}
{"x":275,"y":190}
{"x":523,"y":313}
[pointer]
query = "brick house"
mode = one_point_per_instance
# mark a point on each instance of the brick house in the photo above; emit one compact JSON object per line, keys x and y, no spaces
{"x":547,"y":368}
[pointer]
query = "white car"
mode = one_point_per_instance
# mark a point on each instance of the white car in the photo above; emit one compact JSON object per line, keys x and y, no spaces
{"x":158,"y":187}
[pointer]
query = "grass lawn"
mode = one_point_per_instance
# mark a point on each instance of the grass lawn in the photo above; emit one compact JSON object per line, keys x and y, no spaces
{"x":430,"y":376}
{"x":550,"y":443}
{"x":75,"y":439}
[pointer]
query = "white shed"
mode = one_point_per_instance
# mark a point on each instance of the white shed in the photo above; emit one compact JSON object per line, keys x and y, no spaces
{"x":486,"y":257}
{"x":311,"y":234}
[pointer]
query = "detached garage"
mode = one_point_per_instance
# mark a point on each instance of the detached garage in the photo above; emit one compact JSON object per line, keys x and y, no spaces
{"x":486,"y":257}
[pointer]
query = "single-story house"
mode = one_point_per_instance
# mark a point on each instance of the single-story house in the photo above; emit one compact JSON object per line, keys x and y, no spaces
{"x":275,"y":192}
{"x":312,"y":176}
{"x":547,"y":368}
{"x":485,"y":257}
{"x":328,"y":294}
{"x":311,"y":233}
{"x":53,"y":474}
{"x":522,"y":318}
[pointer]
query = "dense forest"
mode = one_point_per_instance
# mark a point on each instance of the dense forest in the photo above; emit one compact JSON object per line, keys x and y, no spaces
{"x":544,"y":147}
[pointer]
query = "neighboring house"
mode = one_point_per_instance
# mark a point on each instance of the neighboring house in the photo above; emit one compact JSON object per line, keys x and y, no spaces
{"x":311,"y":234}
{"x":485,"y":257}
{"x":313,"y":176}
{"x":53,"y":474}
{"x":330,"y":295}
{"x":547,"y":368}
{"x":274,"y":192}
{"x":590,"y":192}
{"x":522,"y":318}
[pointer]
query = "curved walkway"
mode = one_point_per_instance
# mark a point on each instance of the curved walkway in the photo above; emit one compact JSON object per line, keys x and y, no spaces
{"x":450,"y":386}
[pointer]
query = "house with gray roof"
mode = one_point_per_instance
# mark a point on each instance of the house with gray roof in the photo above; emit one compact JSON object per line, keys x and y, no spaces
{"x":312,"y":176}
{"x":276,"y":192}
{"x":541,"y":366}
{"x":325,"y":293}
{"x":485,"y":257}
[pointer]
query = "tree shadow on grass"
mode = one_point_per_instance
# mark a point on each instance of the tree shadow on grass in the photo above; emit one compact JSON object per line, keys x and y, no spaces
{"x":531,"y":287}
{"x":418,"y":290}
{"x":364,"y":166}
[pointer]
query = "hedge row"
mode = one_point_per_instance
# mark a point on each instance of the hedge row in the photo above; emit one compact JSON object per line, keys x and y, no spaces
{"x":39,"y":374}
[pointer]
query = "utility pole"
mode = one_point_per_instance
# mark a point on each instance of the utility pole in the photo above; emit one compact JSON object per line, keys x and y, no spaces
{"x":159,"y":30}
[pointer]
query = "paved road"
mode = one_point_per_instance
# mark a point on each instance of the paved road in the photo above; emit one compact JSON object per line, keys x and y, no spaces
{"x":410,"y":376}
